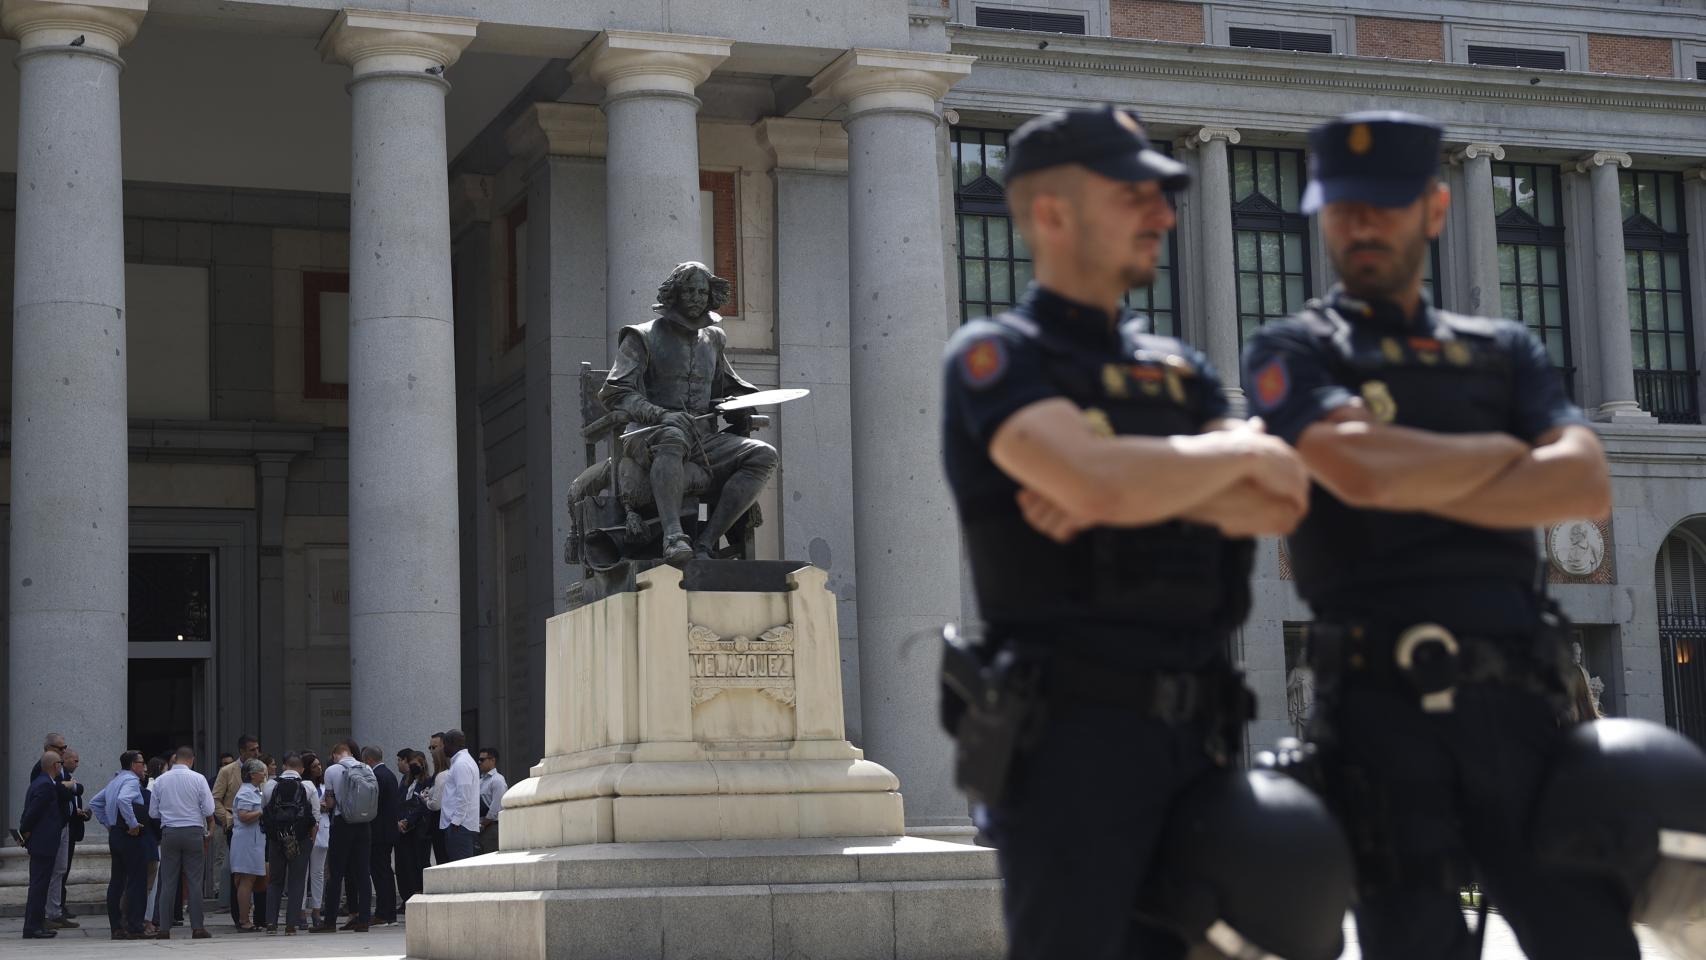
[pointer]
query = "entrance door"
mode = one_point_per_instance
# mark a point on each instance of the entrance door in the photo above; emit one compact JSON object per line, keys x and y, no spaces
{"x":171,"y":652}
{"x":168,"y":706}
{"x":1681,"y":580}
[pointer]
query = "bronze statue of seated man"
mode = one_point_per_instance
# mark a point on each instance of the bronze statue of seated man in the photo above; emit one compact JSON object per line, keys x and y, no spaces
{"x":671,"y":371}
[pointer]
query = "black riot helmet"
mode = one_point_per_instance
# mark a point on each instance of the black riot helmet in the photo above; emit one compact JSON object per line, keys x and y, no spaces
{"x":1626,"y":800}
{"x":1252,"y":865}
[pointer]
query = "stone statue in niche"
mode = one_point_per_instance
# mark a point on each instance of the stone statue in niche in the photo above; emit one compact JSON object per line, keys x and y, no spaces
{"x":661,"y":395}
{"x":1585,"y":691}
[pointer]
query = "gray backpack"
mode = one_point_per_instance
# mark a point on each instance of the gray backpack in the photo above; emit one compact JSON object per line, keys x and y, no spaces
{"x":358,"y":799}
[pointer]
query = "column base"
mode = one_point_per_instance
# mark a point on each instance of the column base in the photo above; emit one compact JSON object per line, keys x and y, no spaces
{"x":1235,"y":399}
{"x":859,"y":897}
{"x":1622,"y":411}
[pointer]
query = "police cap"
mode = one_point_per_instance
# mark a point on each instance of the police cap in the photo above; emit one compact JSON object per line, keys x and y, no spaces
{"x":1108,"y":140}
{"x":1380,"y":157}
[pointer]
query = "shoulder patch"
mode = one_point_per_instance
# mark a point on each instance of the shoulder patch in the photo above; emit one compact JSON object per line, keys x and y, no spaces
{"x":1273,"y":383}
{"x":984,"y":362}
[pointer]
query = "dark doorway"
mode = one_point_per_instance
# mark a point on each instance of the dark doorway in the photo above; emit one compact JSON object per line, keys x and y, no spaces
{"x":168,"y":707}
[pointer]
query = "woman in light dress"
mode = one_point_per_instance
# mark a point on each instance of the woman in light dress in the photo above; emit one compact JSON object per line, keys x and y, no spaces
{"x":315,"y":772}
{"x":248,"y":843}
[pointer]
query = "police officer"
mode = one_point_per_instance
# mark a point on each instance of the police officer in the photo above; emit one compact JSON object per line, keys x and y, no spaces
{"x":1437,"y":442}
{"x":1100,"y":487}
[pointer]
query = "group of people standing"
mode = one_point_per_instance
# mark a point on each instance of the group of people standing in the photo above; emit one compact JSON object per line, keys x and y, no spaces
{"x":350,"y":836}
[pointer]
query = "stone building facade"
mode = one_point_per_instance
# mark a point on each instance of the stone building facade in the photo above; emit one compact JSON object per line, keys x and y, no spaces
{"x":303,"y":294}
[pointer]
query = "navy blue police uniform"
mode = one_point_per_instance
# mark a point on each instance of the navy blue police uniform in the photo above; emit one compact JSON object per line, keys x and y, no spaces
{"x":1433,"y":760}
{"x":1127,"y":628}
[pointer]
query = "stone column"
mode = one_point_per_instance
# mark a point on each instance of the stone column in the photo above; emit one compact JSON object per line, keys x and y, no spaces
{"x":405,"y":591}
{"x":816,"y":435}
{"x":70,"y":525}
{"x":652,"y":210}
{"x":1611,"y":291}
{"x":563,"y":147}
{"x":1694,"y":211}
{"x":903,"y":518}
{"x":1481,"y":232}
{"x":1219,"y":270}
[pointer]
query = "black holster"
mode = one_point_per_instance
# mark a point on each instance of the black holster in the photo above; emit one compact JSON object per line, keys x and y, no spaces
{"x":991,"y":705}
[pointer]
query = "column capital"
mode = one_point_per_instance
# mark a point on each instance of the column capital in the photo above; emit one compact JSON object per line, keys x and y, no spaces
{"x":378,"y":41}
{"x":905,"y":80}
{"x":798,"y":144}
{"x":557,"y":130}
{"x":627,"y":62}
{"x":1202,"y":135}
{"x":1694,"y":173}
{"x":1475,"y":151}
{"x":1600,"y":158}
{"x":470,"y":200}
{"x":95,"y":26}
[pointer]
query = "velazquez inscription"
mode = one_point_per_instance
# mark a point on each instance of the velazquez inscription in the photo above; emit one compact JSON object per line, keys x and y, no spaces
{"x":764,"y":663}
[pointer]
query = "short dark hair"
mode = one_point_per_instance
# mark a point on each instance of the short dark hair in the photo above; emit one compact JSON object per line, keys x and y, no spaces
{"x":156,"y":766}
{"x":437,"y":736}
{"x":293,"y":761}
{"x":491,"y":750}
{"x":350,"y":745}
{"x":245,"y":741}
{"x":455,"y":741}
{"x":186,"y":753}
{"x":127,"y":758}
{"x":372,"y":754}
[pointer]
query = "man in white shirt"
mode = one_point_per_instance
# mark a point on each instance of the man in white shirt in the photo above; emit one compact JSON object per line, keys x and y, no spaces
{"x":459,"y":808}
{"x":492,"y":787}
{"x":183,"y":803}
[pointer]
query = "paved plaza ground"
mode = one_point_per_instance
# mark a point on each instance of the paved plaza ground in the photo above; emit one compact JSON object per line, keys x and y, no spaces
{"x":90,"y":942}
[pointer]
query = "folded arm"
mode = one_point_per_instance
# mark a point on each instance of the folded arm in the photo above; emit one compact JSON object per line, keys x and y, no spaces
{"x":1049,"y":448}
{"x":1386,"y":467}
{"x":1563,"y":477}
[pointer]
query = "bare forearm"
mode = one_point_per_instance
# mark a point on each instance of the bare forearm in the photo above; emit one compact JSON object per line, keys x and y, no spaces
{"x":1145,"y":480}
{"x":1398,"y":468}
{"x":1565,"y":480}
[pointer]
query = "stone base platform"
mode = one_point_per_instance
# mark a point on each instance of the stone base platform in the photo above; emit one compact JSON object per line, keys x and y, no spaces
{"x":903,"y":898}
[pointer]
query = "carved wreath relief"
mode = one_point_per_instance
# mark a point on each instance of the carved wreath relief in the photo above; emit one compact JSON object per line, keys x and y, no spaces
{"x":765,"y":664}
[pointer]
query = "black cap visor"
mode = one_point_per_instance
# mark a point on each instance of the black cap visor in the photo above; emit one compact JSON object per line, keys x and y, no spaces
{"x":1378,"y":191}
{"x":1145,"y":164}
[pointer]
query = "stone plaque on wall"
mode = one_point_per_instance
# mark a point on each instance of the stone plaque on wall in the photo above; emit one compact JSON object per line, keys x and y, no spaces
{"x":328,"y":715}
{"x":1579,"y":551}
{"x":328,"y":596}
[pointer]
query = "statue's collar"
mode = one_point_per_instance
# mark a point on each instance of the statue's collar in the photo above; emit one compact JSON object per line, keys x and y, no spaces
{"x":674,"y":316}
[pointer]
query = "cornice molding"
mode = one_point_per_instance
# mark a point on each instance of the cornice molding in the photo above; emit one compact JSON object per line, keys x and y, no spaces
{"x":105,"y":26}
{"x":1195,"y":62}
{"x":379,"y":41}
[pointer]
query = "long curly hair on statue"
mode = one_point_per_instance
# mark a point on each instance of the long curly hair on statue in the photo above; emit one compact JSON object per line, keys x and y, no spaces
{"x":720,"y":288}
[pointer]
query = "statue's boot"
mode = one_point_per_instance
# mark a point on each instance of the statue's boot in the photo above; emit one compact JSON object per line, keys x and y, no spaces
{"x":668,"y":481}
{"x":736,"y":497}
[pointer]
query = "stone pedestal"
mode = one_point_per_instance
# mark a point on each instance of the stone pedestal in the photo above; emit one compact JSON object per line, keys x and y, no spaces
{"x":698,"y":794}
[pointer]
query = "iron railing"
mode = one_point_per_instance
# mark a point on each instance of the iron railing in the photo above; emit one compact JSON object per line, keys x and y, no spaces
{"x":1682,"y":649}
{"x":1671,"y":395}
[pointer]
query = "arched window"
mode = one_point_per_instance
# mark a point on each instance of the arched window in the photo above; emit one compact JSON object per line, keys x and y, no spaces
{"x":1680,"y":575}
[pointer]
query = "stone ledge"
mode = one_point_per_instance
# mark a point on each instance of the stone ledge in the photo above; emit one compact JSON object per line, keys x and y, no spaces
{"x":865,"y":898}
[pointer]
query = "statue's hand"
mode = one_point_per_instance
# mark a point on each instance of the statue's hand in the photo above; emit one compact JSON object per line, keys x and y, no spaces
{"x":680,"y":421}
{"x":635,"y":524}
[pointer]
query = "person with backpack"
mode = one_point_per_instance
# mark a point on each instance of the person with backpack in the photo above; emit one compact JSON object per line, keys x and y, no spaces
{"x":290,"y":819}
{"x":352,"y":798}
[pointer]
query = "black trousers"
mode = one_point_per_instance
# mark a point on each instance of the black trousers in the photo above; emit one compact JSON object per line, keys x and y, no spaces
{"x":412,"y":853}
{"x":384,"y":878}
{"x":1092,"y":764}
{"x":440,"y":854}
{"x":35,"y":907}
{"x":349,"y":855}
{"x":1459,"y":788}
{"x":287,"y":883}
{"x":128,"y":881}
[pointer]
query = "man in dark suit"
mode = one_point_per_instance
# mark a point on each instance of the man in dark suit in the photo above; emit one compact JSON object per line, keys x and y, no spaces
{"x":42,"y":825}
{"x":384,"y":836}
{"x":77,"y":815}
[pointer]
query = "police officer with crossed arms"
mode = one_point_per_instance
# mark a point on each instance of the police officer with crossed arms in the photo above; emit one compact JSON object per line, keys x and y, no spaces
{"x":1107,"y":500}
{"x":1436,"y":443}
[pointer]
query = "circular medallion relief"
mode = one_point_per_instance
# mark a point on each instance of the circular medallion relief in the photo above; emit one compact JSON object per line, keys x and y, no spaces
{"x":1576,"y":547}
